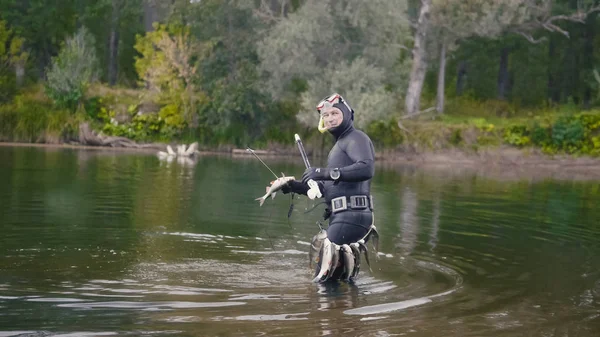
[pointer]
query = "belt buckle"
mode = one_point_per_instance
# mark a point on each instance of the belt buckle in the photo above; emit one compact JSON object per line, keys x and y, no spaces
{"x":338,"y":204}
{"x":359,"y":202}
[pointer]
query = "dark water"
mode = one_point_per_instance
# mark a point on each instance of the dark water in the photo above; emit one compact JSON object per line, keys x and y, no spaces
{"x":99,"y":243}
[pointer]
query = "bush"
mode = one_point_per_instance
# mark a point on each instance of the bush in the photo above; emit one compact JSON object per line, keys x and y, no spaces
{"x":28,"y":119}
{"x":72,"y":70}
{"x":575,"y":134}
{"x":385,"y":133}
{"x":567,"y":134}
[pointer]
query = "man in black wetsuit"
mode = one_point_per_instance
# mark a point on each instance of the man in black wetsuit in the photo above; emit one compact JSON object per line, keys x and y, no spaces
{"x":346,"y":181}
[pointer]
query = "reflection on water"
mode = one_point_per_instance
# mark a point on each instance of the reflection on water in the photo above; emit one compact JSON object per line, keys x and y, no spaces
{"x":409,"y":221}
{"x":435,"y":223}
{"x":100,"y":243}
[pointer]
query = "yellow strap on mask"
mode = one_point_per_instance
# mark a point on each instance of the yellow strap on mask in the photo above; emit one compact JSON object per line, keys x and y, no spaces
{"x":321,"y":126}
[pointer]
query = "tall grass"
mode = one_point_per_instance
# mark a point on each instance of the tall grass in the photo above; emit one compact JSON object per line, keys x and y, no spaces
{"x":32,"y":118}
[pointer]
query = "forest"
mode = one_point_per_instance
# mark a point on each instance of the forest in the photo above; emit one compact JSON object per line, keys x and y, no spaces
{"x":421,"y":74}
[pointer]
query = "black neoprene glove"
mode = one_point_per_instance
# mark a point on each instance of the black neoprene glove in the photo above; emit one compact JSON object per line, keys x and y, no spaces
{"x":315,"y":173}
{"x":295,"y":186}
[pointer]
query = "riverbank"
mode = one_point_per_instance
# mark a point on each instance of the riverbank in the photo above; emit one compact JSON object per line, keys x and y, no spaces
{"x":501,"y":163}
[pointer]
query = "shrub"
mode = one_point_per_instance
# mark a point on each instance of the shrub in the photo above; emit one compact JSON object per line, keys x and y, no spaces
{"x":574,"y":133}
{"x":72,"y":70}
{"x":28,"y":119}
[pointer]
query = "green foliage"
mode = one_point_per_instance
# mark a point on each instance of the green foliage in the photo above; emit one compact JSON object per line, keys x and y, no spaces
{"x":93,"y":106}
{"x":282,"y":122}
{"x":456,"y":137}
{"x":385,"y":134}
{"x":99,"y":16}
{"x":467,"y":105}
{"x":11,"y":53}
{"x":540,"y":135}
{"x":73,"y":70}
{"x":308,"y":46}
{"x":168,"y":64}
{"x":165,"y":125}
{"x":517,"y":135}
{"x":574,"y":134}
{"x":7,"y":88}
{"x":567,"y":134}
{"x":171,"y":121}
{"x":30,"y":119}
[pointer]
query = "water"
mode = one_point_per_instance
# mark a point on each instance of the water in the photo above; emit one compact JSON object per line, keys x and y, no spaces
{"x":98,"y":243}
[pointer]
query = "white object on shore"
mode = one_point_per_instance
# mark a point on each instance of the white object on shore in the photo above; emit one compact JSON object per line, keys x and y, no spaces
{"x":170,"y":151}
{"x":183,"y":151}
{"x":191,"y":150}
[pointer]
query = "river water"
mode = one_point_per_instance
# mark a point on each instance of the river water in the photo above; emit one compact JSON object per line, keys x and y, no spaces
{"x":100,"y":243}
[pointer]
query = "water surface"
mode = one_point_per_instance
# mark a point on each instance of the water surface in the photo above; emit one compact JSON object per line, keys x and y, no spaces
{"x":100,"y":243}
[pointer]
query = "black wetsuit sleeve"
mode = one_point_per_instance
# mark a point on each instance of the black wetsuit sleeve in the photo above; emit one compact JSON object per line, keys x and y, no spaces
{"x":360,"y":150}
{"x":300,"y":188}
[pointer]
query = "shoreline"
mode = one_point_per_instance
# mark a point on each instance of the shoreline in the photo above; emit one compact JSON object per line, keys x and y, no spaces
{"x":502,"y":161}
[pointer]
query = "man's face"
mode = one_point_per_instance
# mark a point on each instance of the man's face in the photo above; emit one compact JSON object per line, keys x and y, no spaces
{"x":332,"y":117}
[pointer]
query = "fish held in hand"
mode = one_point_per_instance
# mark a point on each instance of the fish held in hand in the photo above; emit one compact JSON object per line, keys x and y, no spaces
{"x":275,"y":186}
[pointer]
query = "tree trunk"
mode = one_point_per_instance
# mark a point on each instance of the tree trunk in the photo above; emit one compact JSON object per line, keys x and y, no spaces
{"x":88,"y":137}
{"x":553,"y":92}
{"x":150,"y":14}
{"x":588,"y":56}
{"x":44,"y":60}
{"x":419,"y":61}
{"x":279,"y":8}
{"x":460,"y":78}
{"x":113,"y":48}
{"x":503,"y":73}
{"x":20,"y":73}
{"x":230,"y":45}
{"x":570,"y":77}
{"x":441,"y":85}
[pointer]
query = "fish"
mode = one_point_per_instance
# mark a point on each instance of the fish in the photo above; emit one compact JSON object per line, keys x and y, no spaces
{"x":326,"y":261}
{"x":363,"y":248}
{"x":348,"y":258}
{"x":335,"y":259}
{"x":356,"y":253}
{"x":374,"y":236}
{"x":275,"y":186}
{"x":315,"y":247}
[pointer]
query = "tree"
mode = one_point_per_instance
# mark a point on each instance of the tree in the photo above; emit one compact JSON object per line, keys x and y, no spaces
{"x":168,"y":65}
{"x":113,"y":43}
{"x":451,"y":21}
{"x":11,"y":55}
{"x":356,"y":52}
{"x":412,"y":102}
{"x":238,"y":111}
{"x":73,"y":70}
{"x":36,"y":22}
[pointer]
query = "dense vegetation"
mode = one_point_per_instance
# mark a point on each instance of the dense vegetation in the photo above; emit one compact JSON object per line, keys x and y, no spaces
{"x":426,"y":74}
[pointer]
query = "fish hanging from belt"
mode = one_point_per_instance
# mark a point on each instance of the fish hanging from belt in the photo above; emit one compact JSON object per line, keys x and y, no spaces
{"x":349,"y":261}
{"x":329,"y":256}
{"x":315,"y":248}
{"x":329,"y":261}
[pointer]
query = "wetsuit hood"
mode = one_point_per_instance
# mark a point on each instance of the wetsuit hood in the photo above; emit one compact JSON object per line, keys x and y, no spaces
{"x":347,"y":124}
